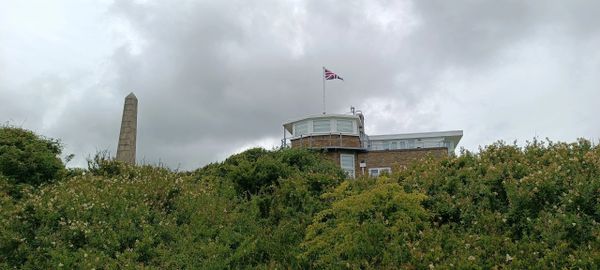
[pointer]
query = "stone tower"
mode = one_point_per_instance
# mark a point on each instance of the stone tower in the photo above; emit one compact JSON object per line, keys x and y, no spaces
{"x":127,"y":137}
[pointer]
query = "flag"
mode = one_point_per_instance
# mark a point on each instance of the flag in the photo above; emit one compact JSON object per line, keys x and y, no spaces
{"x":329,"y":75}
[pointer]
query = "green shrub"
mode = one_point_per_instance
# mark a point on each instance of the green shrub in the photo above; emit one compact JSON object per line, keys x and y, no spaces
{"x":512,"y":207}
{"x":505,"y":207}
{"x":256,"y":169}
{"x":8,"y":238}
{"x":103,"y":164}
{"x":371,"y":224}
{"x":26,"y":158}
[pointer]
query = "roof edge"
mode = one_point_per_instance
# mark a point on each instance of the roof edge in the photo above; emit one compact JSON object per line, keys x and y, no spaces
{"x":447,"y":133}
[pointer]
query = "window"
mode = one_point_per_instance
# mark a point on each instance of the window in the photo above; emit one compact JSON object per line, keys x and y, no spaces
{"x":375,"y":172}
{"x":432,"y":142}
{"x":375,"y":145}
{"x":401,"y":145}
{"x":300,"y":128}
{"x":347,"y":164}
{"x":378,"y":145}
{"x":386,"y":145}
{"x":344,"y":126}
{"x":321,"y":126}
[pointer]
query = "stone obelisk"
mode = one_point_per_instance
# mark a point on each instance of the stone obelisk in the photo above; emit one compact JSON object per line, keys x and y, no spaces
{"x":127,"y":137}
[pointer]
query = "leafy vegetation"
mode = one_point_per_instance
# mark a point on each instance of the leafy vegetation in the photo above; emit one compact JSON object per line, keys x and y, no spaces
{"x":504,"y":207}
{"x":26,"y":158}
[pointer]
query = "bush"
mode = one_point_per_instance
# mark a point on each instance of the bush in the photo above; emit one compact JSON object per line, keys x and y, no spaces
{"x":26,"y":158}
{"x":103,"y":164}
{"x":371,"y":224}
{"x":256,"y":169}
{"x":505,"y":207}
{"x":512,"y":207}
{"x":118,"y":216}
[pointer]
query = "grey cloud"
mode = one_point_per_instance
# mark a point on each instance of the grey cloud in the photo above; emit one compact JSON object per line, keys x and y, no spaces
{"x":214,"y":76}
{"x":234,"y":71}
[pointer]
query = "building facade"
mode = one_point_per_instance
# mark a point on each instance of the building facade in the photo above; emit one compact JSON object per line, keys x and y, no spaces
{"x":343,"y":139}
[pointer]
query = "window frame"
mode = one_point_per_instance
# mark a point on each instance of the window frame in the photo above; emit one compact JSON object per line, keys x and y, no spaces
{"x":302,"y":123}
{"x":314,"y":125}
{"x":346,"y":121}
{"x":379,"y":171}
{"x":350,"y":171}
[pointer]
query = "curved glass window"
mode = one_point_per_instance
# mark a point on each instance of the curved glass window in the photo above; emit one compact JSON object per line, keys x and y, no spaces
{"x":344,"y":126}
{"x":300,"y":128}
{"x":321,"y":126}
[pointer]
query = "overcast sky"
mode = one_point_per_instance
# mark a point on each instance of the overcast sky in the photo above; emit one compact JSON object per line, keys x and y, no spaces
{"x":216,"y":77}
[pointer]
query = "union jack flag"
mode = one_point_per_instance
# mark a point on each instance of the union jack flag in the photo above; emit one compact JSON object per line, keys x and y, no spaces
{"x":329,"y":75}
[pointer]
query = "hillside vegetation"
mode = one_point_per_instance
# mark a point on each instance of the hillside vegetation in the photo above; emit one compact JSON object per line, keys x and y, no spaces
{"x":504,"y":207}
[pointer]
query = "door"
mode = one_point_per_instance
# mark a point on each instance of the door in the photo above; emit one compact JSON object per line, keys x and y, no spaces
{"x":347,"y":164}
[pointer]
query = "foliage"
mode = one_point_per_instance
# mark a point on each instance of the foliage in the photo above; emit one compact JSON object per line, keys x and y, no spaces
{"x":517,"y":207}
{"x":256,"y":169}
{"x":503,"y":207}
{"x":26,"y":158}
{"x":7,"y":210}
{"x":103,"y":164}
{"x":370,"y":224}
{"x":118,"y":216}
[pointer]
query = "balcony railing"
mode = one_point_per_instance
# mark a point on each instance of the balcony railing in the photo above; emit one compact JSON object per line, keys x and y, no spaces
{"x":327,"y":140}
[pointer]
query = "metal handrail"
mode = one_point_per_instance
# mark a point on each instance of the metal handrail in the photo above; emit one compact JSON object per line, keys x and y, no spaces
{"x":308,"y":140}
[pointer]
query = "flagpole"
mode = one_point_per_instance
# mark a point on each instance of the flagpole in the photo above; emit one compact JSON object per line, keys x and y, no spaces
{"x":323,"y":75}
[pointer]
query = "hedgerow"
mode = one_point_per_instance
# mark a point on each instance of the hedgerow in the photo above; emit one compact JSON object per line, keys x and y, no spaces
{"x":519,"y":207}
{"x":504,"y":206}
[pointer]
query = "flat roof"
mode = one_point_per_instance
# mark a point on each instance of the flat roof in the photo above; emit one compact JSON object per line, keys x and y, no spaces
{"x":419,"y":135}
{"x":454,"y":135}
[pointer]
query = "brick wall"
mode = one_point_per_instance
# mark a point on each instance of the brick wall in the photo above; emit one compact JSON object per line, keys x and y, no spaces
{"x":332,"y":140}
{"x":395,"y":159}
{"x":333,"y":156}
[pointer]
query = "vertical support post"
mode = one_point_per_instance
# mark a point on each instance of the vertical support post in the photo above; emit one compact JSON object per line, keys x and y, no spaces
{"x":323,"y":74}
{"x":284,"y":142}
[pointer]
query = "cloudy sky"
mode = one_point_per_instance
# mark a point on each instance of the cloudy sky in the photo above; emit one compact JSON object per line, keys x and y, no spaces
{"x":216,"y":77}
